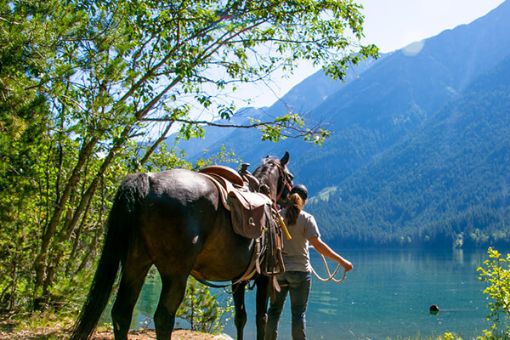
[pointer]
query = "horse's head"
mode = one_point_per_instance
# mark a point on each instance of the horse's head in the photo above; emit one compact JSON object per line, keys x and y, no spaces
{"x":274,"y":177}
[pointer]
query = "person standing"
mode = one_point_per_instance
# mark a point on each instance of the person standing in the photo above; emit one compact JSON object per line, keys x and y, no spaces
{"x":296,"y":279}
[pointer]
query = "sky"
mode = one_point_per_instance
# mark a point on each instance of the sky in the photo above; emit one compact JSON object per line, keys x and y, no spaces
{"x":391,"y":25}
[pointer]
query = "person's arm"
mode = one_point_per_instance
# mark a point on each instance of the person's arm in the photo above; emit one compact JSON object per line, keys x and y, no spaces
{"x":325,"y":250}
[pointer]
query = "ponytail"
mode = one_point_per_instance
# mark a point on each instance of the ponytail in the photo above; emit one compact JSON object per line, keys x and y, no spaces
{"x":293,"y":209}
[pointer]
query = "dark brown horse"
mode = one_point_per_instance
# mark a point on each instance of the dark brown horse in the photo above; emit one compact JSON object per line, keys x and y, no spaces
{"x":175,"y":221}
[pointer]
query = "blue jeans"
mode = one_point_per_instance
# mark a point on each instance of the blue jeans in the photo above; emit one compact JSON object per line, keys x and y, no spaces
{"x":298,"y":285}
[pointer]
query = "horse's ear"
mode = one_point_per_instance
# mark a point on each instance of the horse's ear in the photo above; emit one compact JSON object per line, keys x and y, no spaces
{"x":285,"y":158}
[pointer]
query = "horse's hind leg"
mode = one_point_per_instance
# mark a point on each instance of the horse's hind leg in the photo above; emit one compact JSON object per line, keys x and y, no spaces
{"x":172,"y":293}
{"x":240,"y":310}
{"x":134,"y":271}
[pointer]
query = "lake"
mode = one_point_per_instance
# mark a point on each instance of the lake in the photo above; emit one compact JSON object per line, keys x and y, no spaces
{"x":387,"y":295}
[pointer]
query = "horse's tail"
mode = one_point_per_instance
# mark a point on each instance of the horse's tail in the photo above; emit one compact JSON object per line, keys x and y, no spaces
{"x":120,"y":221}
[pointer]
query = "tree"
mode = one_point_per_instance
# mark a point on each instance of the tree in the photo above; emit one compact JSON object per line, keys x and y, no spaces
{"x":496,"y":273}
{"x":201,"y":309}
{"x":93,"y":88}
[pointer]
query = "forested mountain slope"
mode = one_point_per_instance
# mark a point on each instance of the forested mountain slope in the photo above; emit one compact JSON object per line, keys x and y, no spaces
{"x":381,"y":103}
{"x":448,"y":182}
{"x":408,"y":159}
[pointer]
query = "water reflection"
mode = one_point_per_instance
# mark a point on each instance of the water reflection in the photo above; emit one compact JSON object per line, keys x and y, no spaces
{"x":458,"y":255}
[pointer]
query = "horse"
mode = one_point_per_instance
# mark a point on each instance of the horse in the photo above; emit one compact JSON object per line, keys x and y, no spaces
{"x":175,"y":221}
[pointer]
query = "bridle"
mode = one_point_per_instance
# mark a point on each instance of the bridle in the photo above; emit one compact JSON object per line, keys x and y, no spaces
{"x":287,"y":181}
{"x":285,"y":175}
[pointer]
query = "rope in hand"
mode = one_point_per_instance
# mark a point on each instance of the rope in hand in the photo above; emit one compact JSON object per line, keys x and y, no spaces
{"x":331,"y":276}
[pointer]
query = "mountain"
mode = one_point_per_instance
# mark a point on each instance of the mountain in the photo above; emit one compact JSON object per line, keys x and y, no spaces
{"x":448,"y":182}
{"x":302,"y":99}
{"x":400,"y":93}
{"x":408,"y":159}
{"x":383,"y":103}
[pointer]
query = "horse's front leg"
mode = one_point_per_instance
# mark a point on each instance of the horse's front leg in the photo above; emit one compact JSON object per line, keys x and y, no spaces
{"x":262,"y":283}
{"x":240,"y":310}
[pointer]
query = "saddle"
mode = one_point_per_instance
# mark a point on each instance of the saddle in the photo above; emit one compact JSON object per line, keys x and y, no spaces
{"x":253,"y":217}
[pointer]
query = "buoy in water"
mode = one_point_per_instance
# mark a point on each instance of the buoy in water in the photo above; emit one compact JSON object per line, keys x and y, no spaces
{"x":434,"y":309}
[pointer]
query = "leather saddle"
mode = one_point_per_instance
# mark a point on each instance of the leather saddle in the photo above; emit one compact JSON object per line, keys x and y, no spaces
{"x":252,"y":217}
{"x":247,"y":208}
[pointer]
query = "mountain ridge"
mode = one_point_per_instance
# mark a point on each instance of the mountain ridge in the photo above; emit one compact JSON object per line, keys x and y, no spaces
{"x":452,"y":190}
{"x":387,"y":101}
{"x":382,"y":111}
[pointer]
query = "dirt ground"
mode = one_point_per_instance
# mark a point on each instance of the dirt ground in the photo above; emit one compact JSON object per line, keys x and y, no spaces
{"x":133,"y":335}
{"x":177,"y":335}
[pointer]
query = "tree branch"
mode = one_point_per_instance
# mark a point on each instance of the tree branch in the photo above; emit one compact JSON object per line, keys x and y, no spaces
{"x":209,"y":123}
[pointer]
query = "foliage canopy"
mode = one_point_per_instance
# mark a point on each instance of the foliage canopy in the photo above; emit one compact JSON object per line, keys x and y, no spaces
{"x":91,"y":89}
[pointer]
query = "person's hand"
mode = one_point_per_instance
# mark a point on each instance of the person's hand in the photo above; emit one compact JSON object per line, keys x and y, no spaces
{"x":347,"y":265}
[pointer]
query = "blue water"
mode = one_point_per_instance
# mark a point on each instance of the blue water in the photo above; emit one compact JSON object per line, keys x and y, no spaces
{"x":387,"y":295}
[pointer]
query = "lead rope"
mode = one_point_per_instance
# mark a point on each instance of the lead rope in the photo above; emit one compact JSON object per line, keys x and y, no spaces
{"x":331,"y":276}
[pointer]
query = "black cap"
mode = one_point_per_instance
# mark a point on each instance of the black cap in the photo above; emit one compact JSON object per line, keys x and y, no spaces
{"x":301,"y":190}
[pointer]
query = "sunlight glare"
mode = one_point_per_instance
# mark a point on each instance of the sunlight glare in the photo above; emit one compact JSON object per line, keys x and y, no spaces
{"x":414,"y":48}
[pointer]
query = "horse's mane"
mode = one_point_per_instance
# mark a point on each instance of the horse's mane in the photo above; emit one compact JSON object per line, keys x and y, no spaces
{"x":263,"y":168}
{"x":269,"y":158}
{"x":263,"y":171}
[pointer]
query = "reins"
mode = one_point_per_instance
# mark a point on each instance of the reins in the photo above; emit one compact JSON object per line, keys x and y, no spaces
{"x":331,"y":276}
{"x":287,"y":185}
